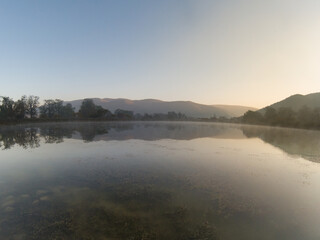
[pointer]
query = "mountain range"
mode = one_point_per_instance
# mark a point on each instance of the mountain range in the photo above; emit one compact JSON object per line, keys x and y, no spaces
{"x":297,"y":101}
{"x":151,"y":106}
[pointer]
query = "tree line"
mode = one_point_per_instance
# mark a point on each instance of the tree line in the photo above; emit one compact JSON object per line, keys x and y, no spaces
{"x":27,"y":108}
{"x":305,"y":117}
{"x":20,"y":109}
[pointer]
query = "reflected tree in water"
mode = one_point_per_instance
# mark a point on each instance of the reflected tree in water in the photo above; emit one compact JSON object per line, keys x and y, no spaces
{"x":88,"y":133}
{"x":30,"y":137}
{"x":56,"y":134}
{"x":26,"y":138}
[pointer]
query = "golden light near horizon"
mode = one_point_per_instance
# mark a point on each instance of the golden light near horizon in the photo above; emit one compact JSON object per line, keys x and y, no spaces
{"x":242,"y":52}
{"x":160,"y":119}
{"x":264,"y":51}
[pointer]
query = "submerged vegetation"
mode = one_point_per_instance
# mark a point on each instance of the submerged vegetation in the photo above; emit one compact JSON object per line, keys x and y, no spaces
{"x":155,"y":189}
{"x":121,"y":210}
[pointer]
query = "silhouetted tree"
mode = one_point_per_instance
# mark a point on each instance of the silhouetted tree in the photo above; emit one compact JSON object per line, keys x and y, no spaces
{"x":316,"y":117}
{"x":147,"y":117}
{"x":20,"y":108}
{"x":67,"y":111}
{"x":55,"y":109}
{"x":87,"y":109}
{"x":172,"y":116}
{"x":270,"y":116}
{"x":121,"y":114}
{"x":305,"y":117}
{"x":286,"y":117}
{"x":252,"y":117}
{"x":47,"y":110}
{"x":100,"y":112}
{"x":32,"y":105}
{"x":7,"y":108}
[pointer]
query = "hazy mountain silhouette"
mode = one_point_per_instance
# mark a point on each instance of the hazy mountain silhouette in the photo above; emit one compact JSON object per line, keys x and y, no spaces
{"x":151,"y":106}
{"x":297,"y":101}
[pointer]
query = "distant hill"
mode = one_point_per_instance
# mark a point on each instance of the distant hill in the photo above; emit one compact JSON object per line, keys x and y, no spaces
{"x":152,"y":106}
{"x":297,"y":101}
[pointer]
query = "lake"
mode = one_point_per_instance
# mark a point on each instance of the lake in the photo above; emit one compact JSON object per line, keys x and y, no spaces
{"x":158,"y":180}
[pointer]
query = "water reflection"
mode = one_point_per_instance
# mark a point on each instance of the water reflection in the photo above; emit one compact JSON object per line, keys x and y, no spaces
{"x":29,"y":136}
{"x":24,"y":137}
{"x":296,"y":142}
{"x":301,"y":143}
{"x":183,"y":181}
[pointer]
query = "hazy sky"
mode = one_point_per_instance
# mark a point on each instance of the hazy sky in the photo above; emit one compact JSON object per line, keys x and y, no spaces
{"x":214,"y":52}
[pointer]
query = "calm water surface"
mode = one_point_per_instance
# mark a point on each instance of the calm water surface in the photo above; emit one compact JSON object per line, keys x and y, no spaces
{"x":158,"y":181}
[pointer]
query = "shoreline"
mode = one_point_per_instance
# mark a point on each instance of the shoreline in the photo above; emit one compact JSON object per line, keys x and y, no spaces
{"x":36,"y":121}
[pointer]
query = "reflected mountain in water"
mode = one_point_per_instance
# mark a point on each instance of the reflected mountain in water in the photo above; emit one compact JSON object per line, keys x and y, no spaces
{"x":295,"y":142}
{"x":220,"y":186}
{"x":30,"y":136}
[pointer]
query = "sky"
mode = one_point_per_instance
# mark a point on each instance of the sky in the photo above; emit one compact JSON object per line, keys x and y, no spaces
{"x":241,"y":52}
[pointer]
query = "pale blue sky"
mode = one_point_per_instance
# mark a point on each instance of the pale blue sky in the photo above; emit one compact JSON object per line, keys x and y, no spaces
{"x":214,"y":52}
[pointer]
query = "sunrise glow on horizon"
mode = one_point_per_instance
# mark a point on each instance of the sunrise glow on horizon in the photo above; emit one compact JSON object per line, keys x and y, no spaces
{"x":250,"y":53}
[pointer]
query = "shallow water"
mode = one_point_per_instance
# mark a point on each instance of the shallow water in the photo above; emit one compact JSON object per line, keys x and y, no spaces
{"x":158,"y":180}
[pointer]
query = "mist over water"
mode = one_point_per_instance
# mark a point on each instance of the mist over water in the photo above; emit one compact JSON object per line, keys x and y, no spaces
{"x":158,"y":180}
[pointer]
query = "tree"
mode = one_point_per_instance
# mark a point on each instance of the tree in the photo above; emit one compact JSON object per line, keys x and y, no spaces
{"x":87,"y":109}
{"x":7,"y":108}
{"x":123,"y":114}
{"x":181,"y":116}
{"x":32,"y":105}
{"x":305,"y":117}
{"x":55,"y":109}
{"x":286,"y":117}
{"x":20,"y":107}
{"x":47,"y":109}
{"x":58,"y":108}
{"x":270,"y":116}
{"x":101,"y":112}
{"x":252,"y":117}
{"x":67,"y":111}
{"x":147,"y":117}
{"x":316,"y":117}
{"x":172,"y":116}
